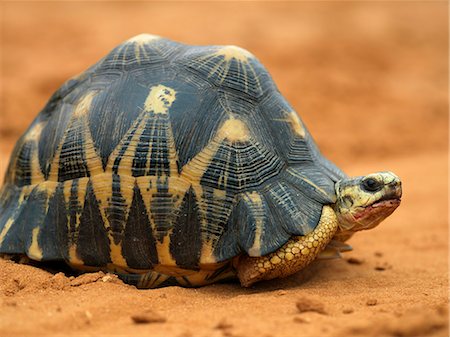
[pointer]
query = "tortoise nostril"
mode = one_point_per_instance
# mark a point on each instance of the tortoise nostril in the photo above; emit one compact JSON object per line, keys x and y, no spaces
{"x":398,"y":189}
{"x":395,"y":188}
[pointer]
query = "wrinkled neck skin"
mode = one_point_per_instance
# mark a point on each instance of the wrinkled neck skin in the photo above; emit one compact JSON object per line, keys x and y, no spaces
{"x":363,"y":202}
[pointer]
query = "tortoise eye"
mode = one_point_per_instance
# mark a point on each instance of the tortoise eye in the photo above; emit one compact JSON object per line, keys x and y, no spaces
{"x":371,"y":185}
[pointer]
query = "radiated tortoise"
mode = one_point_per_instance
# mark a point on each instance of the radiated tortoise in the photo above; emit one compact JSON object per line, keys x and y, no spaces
{"x":174,"y":164}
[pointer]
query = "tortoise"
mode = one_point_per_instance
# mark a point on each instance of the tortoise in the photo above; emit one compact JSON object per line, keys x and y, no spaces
{"x":171,"y":164}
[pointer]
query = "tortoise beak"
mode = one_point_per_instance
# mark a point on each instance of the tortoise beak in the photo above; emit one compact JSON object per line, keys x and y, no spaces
{"x":394,"y":187}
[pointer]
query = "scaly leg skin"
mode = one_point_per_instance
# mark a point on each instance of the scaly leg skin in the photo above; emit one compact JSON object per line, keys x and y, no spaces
{"x":293,"y":256}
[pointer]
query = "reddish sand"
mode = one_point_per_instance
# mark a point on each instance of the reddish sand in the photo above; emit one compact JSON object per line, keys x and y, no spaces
{"x":371,"y":82}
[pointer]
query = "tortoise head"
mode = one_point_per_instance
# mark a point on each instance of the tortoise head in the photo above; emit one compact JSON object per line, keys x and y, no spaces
{"x":363,"y":202}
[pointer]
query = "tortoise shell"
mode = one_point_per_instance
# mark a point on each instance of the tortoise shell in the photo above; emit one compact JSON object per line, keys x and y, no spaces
{"x":163,"y":154}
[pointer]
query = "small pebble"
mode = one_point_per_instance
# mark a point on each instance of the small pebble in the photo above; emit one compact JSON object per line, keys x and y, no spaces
{"x":110,"y":278}
{"x":19,"y":284}
{"x":59,"y":275}
{"x":106,"y":278}
{"x":87,"y":278}
{"x":306,"y":304}
{"x":148,"y":317}
{"x":354,"y":260}
{"x":298,"y":319}
{"x":223,"y":325}
{"x":378,"y":254}
{"x":371,"y":302}
{"x":58,"y":281}
{"x":383,"y":266}
{"x":347,"y":311}
{"x":281,"y":292}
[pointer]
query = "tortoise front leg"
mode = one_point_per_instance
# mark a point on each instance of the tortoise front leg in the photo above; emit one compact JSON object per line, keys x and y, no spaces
{"x":293,"y":256}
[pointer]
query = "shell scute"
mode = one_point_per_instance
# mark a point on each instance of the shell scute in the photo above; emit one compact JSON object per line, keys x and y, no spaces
{"x":139,"y":242}
{"x":230,"y":67}
{"x":144,"y":50}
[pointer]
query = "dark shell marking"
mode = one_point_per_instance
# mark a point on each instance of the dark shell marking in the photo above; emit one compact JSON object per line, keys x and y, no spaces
{"x":163,"y":155}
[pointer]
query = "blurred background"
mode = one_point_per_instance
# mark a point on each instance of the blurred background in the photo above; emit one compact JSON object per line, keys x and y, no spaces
{"x":369,"y":79}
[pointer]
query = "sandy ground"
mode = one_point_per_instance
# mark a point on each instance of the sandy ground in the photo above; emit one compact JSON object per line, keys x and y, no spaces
{"x":369,"y":80}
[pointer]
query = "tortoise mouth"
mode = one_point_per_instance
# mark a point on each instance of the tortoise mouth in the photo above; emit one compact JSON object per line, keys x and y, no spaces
{"x":385,"y":206}
{"x":392,"y":202}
